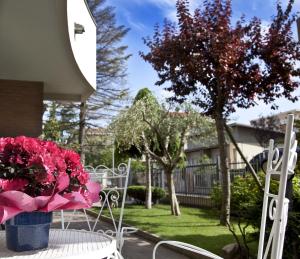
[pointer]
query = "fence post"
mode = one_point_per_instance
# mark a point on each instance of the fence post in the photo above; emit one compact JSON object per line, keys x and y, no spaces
{"x":183,"y":171}
{"x":219,"y":171}
{"x":162,"y":179}
{"x":154,"y":176}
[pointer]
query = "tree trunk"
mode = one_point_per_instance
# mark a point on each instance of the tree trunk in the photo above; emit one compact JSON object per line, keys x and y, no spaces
{"x":148,"y":201}
{"x":225,"y":208}
{"x":172,"y":195}
{"x":81,"y":134}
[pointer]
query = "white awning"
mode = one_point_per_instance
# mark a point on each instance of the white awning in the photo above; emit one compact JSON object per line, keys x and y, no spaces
{"x":38,"y":43}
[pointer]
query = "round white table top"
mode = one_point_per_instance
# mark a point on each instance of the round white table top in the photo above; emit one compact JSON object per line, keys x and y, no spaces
{"x":67,"y":244}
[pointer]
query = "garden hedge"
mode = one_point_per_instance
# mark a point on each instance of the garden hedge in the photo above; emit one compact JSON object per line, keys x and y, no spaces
{"x":138,"y":192}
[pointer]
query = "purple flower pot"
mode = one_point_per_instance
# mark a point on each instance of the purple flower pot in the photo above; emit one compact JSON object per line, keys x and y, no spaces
{"x":28,"y":231}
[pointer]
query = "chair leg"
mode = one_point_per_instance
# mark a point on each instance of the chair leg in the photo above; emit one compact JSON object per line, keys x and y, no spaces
{"x":115,"y":255}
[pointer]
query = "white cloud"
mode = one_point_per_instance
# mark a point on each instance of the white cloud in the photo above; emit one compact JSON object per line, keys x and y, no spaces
{"x":254,"y":6}
{"x":169,"y":6}
{"x":133,"y":24}
{"x":158,"y":3}
{"x":172,"y":3}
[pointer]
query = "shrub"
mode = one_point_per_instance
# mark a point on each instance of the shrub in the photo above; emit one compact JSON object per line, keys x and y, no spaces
{"x":244,"y":193}
{"x":296,"y":189}
{"x":158,"y":194}
{"x":139,"y":193}
{"x":246,"y":203}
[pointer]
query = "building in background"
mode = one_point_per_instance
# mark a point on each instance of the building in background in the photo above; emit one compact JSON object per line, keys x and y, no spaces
{"x":247,"y":137}
{"x":281,"y":118}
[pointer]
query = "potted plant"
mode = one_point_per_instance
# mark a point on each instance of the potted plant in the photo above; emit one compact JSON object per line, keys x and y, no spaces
{"x":36,"y":178}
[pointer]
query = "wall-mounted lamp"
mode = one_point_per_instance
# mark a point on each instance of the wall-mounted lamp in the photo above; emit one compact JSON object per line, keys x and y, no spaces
{"x":78,"y":28}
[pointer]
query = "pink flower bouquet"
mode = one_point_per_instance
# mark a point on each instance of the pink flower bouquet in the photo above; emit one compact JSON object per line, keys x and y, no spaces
{"x":38,"y":175}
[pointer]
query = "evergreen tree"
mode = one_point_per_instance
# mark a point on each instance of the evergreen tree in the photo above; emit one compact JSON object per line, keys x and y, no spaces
{"x":61,"y":124}
{"x":111,"y":72}
{"x":51,"y":128}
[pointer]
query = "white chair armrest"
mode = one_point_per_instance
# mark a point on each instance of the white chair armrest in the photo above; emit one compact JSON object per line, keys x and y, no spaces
{"x":188,"y":247}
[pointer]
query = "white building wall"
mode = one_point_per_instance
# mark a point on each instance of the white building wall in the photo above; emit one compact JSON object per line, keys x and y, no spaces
{"x":249,"y":151}
{"x":83,"y":45}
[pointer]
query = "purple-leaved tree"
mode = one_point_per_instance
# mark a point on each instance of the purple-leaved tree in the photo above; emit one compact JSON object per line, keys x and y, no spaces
{"x":221,"y":66}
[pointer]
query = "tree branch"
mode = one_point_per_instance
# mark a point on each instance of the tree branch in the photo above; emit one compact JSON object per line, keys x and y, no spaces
{"x":252,"y":171}
{"x":148,"y":150}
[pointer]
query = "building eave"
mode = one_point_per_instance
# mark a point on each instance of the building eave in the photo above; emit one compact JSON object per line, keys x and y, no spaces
{"x":38,"y":43}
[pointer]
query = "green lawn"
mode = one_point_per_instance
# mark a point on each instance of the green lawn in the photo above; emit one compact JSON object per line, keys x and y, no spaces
{"x":199,"y":227}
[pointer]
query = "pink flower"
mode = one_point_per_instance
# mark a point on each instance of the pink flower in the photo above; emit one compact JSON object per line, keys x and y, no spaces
{"x":40,"y":168}
{"x":13,"y":185}
{"x":83,"y":177}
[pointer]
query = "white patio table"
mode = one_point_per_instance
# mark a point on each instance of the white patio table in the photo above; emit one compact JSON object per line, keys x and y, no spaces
{"x":66,"y":244}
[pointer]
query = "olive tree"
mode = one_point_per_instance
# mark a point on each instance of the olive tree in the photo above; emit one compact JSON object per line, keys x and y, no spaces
{"x":162,"y":132}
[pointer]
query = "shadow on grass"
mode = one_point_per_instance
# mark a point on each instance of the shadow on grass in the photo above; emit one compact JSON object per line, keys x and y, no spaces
{"x":152,"y":216}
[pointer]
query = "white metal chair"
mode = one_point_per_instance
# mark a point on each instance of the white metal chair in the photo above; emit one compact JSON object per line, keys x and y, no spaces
{"x":276,"y":205}
{"x":114,"y":183}
{"x":186,"y":246}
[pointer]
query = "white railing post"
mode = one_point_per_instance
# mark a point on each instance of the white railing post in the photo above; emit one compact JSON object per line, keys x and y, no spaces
{"x":279,"y":220}
{"x":276,"y":205}
{"x":265,"y":202}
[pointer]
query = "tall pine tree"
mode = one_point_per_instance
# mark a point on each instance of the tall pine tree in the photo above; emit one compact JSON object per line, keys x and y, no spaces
{"x":111,"y":72}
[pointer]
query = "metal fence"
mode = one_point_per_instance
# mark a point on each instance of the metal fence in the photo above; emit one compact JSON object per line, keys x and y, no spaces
{"x":198,"y":179}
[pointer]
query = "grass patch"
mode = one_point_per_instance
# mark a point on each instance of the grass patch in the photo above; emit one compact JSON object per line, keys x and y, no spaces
{"x":195,"y":226}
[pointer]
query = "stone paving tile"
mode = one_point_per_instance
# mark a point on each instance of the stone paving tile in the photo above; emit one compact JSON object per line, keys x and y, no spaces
{"x":134,"y":247}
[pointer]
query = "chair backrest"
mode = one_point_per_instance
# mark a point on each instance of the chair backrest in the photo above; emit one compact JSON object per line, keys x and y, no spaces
{"x":114,"y":183}
{"x":275,"y":205}
{"x":113,"y":193}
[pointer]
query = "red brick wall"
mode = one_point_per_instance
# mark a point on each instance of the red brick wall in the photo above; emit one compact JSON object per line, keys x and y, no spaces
{"x":21,"y":108}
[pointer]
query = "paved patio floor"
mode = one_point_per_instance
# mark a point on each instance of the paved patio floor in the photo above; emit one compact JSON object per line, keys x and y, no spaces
{"x":134,"y":247}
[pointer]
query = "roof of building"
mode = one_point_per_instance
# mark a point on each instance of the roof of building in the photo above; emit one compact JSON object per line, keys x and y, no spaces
{"x":287,"y":112}
{"x":241,"y":125}
{"x":100,"y":131}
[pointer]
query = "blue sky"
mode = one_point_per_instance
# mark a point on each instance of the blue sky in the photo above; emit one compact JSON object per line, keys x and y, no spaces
{"x":141,"y":16}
